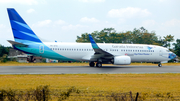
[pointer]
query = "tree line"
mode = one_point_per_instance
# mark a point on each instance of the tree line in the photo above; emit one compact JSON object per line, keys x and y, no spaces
{"x":4,"y":51}
{"x":137,"y":36}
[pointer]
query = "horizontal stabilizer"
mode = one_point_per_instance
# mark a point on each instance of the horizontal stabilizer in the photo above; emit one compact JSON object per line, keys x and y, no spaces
{"x":17,"y":43}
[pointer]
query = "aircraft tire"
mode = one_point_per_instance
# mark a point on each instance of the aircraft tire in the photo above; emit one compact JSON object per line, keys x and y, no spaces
{"x":98,"y":64}
{"x":159,"y":65}
{"x":91,"y":64}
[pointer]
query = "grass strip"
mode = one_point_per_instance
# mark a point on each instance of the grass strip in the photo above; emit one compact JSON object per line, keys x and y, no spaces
{"x":152,"y":85}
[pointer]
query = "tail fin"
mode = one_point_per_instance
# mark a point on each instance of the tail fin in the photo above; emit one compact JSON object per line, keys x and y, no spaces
{"x":21,"y":31}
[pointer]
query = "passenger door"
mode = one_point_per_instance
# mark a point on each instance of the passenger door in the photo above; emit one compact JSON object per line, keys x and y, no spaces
{"x":160,"y":52}
{"x":41,"y":49}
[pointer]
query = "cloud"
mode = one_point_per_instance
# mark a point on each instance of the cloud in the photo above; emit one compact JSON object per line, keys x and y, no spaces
{"x":73,"y":27}
{"x":27,"y":2}
{"x":95,"y":1}
{"x":171,"y":23}
{"x":147,"y":23}
{"x":162,"y":0}
{"x":60,"y":22}
{"x":30,"y":10}
{"x":2,"y":26}
{"x":121,"y":21}
{"x":43,"y":23}
{"x":128,"y":12}
{"x":91,"y":20}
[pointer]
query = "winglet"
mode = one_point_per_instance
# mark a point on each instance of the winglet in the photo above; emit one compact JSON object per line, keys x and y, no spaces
{"x":96,"y":48}
{"x":93,"y":43}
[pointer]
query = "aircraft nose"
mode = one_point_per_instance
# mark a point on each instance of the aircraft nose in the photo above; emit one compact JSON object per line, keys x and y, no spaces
{"x":172,"y":55}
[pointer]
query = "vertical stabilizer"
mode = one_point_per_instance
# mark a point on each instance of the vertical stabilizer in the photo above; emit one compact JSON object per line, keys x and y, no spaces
{"x":21,"y":31}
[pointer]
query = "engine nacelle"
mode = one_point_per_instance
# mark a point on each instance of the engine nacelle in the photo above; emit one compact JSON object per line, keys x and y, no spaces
{"x":122,"y":60}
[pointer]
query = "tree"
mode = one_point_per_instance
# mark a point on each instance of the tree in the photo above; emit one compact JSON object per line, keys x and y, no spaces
{"x":3,"y":53}
{"x":109,"y":35}
{"x":3,"y":50}
{"x":84,"y":38}
{"x":177,"y":47}
{"x":4,"y":58}
{"x":168,"y":39}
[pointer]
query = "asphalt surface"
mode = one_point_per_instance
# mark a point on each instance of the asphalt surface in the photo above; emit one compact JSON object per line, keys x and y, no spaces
{"x":86,"y":69}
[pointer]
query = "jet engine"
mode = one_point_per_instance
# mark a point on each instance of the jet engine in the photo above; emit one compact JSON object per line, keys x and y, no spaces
{"x":122,"y":60}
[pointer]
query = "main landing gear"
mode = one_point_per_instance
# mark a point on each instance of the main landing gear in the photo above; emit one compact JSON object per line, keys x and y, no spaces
{"x":91,"y":64}
{"x":98,"y":64}
{"x":159,"y":65}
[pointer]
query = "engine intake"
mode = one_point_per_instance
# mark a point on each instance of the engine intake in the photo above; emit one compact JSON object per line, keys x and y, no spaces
{"x":122,"y":60}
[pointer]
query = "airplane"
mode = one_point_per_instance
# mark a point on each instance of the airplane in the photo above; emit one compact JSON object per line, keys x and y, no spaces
{"x":94,"y":53}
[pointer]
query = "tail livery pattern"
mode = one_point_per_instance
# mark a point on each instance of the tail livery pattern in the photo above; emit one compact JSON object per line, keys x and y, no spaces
{"x":27,"y":41}
{"x":21,"y":31}
{"x":93,"y":43}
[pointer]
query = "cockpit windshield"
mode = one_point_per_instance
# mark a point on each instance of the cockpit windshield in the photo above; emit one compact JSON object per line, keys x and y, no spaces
{"x":167,"y":50}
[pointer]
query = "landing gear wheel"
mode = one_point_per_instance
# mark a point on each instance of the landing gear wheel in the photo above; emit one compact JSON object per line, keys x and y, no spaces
{"x":91,"y":64}
{"x":98,"y":64}
{"x":160,"y":65}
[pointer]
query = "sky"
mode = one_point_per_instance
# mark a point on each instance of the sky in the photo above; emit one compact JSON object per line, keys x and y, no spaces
{"x":64,"y":20}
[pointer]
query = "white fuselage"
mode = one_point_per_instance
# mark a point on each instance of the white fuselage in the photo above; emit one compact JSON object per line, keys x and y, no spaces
{"x":137,"y":52}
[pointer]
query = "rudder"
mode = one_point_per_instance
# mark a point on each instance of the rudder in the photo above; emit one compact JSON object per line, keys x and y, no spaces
{"x":21,"y":31}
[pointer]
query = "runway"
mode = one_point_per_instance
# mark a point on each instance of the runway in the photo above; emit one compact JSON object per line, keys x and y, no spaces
{"x":86,"y":69}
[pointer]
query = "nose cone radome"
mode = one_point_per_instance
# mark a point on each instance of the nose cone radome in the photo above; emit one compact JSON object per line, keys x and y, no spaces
{"x":172,"y":55}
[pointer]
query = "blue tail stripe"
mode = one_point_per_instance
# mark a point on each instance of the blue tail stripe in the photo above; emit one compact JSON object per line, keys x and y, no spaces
{"x":24,"y":36}
{"x":93,"y":43}
{"x":23,"y":25}
{"x":13,"y":15}
{"x":20,"y":29}
{"x":34,"y":36}
{"x":24,"y":41}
